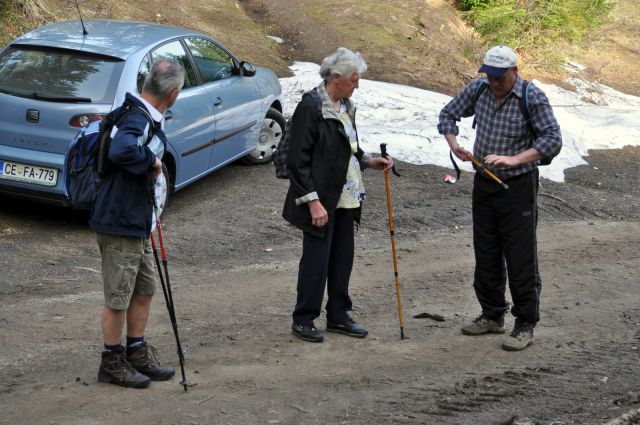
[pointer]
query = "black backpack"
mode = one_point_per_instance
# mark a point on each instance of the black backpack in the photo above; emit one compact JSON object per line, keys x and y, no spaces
{"x":280,"y":155}
{"x":523,"y":103}
{"x":88,"y":157}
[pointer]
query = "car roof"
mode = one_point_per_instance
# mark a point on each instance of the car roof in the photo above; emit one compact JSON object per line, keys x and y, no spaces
{"x":106,"y":37}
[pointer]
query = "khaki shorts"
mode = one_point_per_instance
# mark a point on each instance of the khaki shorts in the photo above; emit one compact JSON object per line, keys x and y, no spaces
{"x":127,"y":269}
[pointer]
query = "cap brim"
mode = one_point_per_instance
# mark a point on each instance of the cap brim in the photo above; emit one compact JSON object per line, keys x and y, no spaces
{"x":492,"y":70}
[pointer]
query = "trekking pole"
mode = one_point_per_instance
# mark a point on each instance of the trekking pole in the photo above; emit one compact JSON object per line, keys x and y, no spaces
{"x":487,"y":172}
{"x":169,"y":298}
{"x":383,"y":151}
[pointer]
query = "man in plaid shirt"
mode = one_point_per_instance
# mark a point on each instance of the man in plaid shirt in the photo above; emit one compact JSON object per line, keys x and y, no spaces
{"x":504,"y":221}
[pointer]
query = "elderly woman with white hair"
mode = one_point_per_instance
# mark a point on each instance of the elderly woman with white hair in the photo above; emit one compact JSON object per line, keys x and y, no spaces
{"x":325,"y":164}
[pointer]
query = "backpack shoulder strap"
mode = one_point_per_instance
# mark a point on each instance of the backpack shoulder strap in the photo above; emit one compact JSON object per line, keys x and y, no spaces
{"x":479,"y":90}
{"x":523,"y":103}
{"x":128,"y":108}
{"x":524,"y":100}
{"x":317,"y":100}
{"x":152,"y":124}
{"x":482,"y":87}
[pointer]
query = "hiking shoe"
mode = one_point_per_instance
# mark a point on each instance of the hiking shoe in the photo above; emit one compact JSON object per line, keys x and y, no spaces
{"x":115,"y":369}
{"x":349,"y":327}
{"x":144,"y":359}
{"x":483,"y":325}
{"x":307,"y":332}
{"x":520,"y":338}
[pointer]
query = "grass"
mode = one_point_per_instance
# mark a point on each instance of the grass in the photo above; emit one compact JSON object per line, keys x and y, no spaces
{"x":537,"y":28}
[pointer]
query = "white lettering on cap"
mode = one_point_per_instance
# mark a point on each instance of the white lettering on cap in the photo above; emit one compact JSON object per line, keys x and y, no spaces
{"x":500,"y":57}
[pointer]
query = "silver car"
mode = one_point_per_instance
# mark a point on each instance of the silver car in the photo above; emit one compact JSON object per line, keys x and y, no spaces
{"x":55,"y":80}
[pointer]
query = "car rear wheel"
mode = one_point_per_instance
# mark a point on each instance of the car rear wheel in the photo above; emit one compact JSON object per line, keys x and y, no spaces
{"x":271,"y":133}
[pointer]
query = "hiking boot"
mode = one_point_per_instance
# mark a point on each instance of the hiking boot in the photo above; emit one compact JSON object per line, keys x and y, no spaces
{"x":307,"y":332}
{"x":115,"y":369}
{"x":482,"y":325}
{"x":520,"y":338}
{"x":144,"y":359}
{"x":349,"y":327}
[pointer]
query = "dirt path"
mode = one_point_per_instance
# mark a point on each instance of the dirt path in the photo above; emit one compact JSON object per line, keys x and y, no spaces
{"x":233,"y":264}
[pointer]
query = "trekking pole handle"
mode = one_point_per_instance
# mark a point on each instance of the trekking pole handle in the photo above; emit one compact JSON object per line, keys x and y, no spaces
{"x":384,"y":154}
{"x":481,"y":166}
{"x":163,"y":253}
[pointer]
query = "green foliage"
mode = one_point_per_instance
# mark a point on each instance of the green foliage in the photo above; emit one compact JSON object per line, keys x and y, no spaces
{"x":536,"y":23}
{"x":467,"y":5}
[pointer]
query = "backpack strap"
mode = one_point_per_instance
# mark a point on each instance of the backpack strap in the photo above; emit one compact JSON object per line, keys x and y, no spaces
{"x":131,"y":108}
{"x":317,"y":100}
{"x":523,"y":103}
{"x":100,"y":151}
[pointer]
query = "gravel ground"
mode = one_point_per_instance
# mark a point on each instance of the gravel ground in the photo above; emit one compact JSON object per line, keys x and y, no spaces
{"x":233,"y":263}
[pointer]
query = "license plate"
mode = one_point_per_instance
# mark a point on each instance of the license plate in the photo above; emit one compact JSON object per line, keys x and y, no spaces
{"x":28,"y":173}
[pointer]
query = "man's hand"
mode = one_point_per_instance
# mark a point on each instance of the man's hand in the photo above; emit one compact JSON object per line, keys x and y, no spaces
{"x":319,"y":216}
{"x":380,"y":163}
{"x":501,"y":161}
{"x":157,"y":167}
{"x":460,"y":152}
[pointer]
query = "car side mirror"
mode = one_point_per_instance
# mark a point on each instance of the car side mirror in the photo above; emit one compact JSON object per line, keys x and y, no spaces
{"x":247,"y":69}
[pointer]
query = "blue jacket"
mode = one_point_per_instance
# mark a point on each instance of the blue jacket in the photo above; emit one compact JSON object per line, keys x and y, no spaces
{"x":124,"y":198}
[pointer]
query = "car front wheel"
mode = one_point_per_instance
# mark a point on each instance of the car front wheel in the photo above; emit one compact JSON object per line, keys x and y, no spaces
{"x":271,"y":133}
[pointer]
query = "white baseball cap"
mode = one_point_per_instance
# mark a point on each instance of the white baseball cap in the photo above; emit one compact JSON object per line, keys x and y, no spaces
{"x":498,"y":60}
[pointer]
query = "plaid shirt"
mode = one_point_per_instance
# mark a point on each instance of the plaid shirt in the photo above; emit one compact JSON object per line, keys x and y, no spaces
{"x":503,"y":130}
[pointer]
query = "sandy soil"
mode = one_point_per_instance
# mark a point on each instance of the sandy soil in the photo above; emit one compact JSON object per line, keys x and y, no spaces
{"x":233,"y":264}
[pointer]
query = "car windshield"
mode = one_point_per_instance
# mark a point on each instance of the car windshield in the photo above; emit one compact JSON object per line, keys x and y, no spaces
{"x":58,"y":75}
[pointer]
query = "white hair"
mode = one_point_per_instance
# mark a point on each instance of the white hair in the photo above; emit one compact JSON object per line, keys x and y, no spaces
{"x":342,"y":62}
{"x":165,"y":76}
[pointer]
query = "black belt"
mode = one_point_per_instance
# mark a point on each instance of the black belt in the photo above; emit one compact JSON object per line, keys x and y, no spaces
{"x":507,"y":179}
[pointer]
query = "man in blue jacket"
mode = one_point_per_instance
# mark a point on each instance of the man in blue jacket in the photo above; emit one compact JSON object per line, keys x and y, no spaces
{"x":122,"y":218}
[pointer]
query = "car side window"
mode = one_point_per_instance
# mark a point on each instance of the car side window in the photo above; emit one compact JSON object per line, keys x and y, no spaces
{"x":213,"y":62}
{"x":175,"y":52}
{"x":143,"y":71}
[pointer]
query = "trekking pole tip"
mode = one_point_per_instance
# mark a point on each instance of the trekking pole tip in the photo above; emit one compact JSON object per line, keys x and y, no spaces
{"x":401,"y":333}
{"x":505,"y":186}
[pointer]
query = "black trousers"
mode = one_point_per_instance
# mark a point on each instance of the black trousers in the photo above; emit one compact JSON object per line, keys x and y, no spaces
{"x":504,"y":241}
{"x":326,"y":261}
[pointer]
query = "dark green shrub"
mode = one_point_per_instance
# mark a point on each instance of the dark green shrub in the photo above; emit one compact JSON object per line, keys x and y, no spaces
{"x":536,"y":23}
{"x":467,"y":5}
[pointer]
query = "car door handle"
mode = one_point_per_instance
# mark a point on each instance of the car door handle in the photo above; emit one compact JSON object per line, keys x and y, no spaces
{"x":168,"y":116}
{"x":218,"y":101}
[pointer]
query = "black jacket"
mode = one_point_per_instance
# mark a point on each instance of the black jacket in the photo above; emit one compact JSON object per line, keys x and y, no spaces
{"x":317,"y":161}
